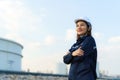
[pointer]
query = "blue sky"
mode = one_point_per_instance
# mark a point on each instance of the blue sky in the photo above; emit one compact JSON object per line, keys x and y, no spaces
{"x":46,"y":29}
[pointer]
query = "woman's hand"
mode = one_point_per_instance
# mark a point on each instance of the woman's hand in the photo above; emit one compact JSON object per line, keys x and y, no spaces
{"x":78,"y":52}
{"x":67,"y":52}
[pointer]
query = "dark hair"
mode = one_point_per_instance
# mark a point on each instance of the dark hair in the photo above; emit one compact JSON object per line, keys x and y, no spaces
{"x":89,"y":28}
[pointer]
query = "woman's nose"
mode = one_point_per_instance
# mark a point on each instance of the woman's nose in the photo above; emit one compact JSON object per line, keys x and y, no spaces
{"x":79,"y":26}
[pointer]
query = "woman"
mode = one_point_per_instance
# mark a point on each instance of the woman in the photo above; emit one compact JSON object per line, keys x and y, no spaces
{"x":83,"y":54}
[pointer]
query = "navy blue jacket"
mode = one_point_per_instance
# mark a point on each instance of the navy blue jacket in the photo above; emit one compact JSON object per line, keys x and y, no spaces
{"x":82,"y":67}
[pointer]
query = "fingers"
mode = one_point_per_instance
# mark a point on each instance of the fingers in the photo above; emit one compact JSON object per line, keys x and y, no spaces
{"x":67,"y":52}
{"x":79,"y":52}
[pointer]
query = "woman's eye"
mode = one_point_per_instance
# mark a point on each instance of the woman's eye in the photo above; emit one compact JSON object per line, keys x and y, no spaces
{"x":82,"y":25}
{"x":77,"y":25}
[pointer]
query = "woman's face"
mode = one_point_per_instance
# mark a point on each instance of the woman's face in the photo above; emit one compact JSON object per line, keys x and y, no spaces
{"x":81,"y":28}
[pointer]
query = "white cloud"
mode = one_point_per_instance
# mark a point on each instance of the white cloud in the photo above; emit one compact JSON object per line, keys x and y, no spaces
{"x":108,"y":55}
{"x":34,"y":44}
{"x":70,"y":34}
{"x":17,"y":20}
{"x":15,"y":17}
{"x":115,"y":39}
{"x":11,"y":12}
{"x":14,"y":37}
{"x":98,"y":35}
{"x":49,"y":40}
{"x":43,"y":12}
{"x":110,"y":48}
{"x":31,"y":49}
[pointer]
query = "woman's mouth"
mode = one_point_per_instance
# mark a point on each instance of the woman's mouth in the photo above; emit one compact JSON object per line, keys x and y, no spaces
{"x":79,"y":30}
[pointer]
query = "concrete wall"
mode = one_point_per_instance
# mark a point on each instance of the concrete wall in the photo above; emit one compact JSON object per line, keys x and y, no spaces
{"x":33,"y":77}
{"x":18,"y":75}
{"x":29,"y":77}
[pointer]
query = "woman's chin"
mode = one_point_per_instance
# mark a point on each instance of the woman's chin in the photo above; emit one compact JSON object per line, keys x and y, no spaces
{"x":80,"y":34}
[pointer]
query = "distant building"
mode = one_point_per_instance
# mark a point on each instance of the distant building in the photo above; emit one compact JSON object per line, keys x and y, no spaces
{"x":61,"y":68}
{"x":10,"y":55}
{"x":97,"y":70}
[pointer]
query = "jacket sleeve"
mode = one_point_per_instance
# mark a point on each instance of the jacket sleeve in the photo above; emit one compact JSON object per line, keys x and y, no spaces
{"x":88,"y":46}
{"x":68,"y":58}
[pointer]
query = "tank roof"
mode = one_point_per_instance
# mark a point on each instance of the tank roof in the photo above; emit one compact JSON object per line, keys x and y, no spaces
{"x":11,"y":41}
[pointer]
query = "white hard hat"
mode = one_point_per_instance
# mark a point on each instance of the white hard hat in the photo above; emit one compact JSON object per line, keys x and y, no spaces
{"x":85,"y":19}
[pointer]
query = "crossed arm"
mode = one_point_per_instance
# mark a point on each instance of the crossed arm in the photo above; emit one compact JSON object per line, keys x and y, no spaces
{"x":70,"y":56}
{"x":79,"y":54}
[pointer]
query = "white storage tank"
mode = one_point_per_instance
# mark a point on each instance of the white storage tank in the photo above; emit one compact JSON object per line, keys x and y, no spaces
{"x":10,"y":55}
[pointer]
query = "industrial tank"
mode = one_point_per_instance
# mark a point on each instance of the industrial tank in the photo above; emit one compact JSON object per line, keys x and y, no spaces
{"x":10,"y":55}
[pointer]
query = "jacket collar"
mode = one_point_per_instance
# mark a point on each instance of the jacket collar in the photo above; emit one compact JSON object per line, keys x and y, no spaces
{"x":81,"y":38}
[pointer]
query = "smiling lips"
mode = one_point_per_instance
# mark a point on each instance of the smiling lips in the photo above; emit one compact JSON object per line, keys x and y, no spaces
{"x":79,"y":30}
